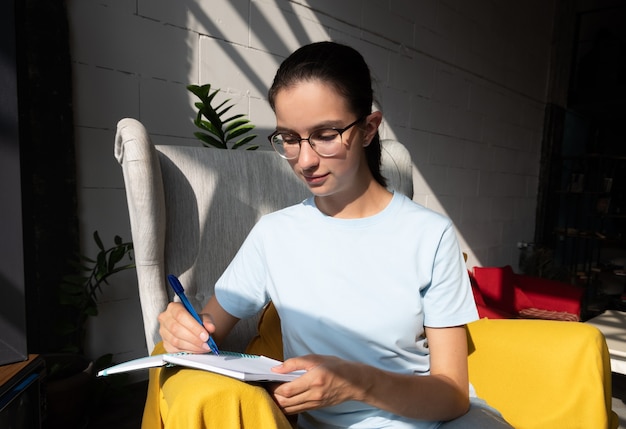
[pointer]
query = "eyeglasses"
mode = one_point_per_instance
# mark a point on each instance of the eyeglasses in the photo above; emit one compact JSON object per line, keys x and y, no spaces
{"x":325,"y":142}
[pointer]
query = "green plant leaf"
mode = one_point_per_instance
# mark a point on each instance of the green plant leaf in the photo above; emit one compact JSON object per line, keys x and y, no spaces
{"x":80,"y":290}
{"x":208,"y":99}
{"x":96,"y":238}
{"x":223,"y":111}
{"x":246,"y":140}
{"x":219,"y":131}
{"x":210,"y":141}
{"x":207,"y":126}
{"x":236,"y":132}
{"x":200,"y":91}
{"x":122,"y":268}
{"x":214,"y":119}
{"x":235,"y":122}
{"x":116,"y":255}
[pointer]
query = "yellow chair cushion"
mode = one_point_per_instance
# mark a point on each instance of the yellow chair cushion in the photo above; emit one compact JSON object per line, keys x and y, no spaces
{"x":183,"y":398}
{"x":269,"y":340}
{"x":542,"y":374}
{"x":538,"y":373}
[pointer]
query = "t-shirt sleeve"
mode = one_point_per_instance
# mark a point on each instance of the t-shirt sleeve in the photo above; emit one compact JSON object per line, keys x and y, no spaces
{"x":448,"y":300}
{"x":241,"y":290}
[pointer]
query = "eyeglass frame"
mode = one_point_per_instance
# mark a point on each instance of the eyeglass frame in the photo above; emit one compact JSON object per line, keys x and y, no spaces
{"x":339,"y":131}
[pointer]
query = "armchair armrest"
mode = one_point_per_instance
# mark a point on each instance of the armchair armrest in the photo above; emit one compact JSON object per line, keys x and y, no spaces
{"x":539,"y":374}
{"x":146,"y":209}
{"x":542,"y":374}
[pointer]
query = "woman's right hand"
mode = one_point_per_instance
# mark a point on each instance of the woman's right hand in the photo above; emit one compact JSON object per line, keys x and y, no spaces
{"x":180,"y":332}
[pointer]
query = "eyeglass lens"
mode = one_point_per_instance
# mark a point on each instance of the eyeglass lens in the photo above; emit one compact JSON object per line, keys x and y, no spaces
{"x":325,"y":142}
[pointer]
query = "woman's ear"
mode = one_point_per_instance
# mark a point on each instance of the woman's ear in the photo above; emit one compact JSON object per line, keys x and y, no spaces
{"x":372,"y":122}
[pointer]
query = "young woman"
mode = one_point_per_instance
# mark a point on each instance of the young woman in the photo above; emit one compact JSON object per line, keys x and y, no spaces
{"x":371,"y":288}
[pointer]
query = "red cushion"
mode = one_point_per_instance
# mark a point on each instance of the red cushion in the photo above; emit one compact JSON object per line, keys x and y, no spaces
{"x":552,"y":295}
{"x":536,"y":313}
{"x":501,"y":290}
{"x":493,"y":313}
{"x":496,"y":287}
{"x":478,"y":297}
{"x":522,"y":300}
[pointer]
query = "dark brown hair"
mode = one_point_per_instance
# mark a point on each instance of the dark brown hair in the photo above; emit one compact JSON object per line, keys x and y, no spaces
{"x":345,"y":69}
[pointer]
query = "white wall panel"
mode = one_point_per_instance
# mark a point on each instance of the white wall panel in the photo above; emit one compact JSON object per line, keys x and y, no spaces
{"x":282,"y":31}
{"x":102,"y":96}
{"x":462,"y":84}
{"x":236,"y":69}
{"x":222,"y":19}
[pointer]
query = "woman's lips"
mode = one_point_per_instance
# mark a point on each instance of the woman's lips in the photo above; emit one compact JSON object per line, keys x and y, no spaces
{"x":315,"y":179}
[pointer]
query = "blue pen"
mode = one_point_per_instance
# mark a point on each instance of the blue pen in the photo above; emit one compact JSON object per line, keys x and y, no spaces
{"x":178,"y":288}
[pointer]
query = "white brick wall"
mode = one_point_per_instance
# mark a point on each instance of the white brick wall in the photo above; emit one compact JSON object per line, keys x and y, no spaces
{"x":462,"y":84}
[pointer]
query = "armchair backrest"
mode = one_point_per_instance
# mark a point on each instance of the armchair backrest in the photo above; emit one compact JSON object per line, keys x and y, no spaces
{"x":190,"y":209}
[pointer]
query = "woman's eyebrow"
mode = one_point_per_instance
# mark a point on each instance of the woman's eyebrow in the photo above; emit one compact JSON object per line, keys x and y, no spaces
{"x":326,"y":124}
{"x":285,"y":130}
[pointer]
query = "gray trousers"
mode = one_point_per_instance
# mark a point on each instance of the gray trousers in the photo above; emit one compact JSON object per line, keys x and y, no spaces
{"x":479,"y":416}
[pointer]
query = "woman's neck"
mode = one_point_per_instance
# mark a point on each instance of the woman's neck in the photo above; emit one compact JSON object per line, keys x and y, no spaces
{"x":370,"y":200}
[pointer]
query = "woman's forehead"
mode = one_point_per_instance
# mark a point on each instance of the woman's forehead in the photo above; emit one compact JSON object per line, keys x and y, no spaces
{"x":312,"y":102}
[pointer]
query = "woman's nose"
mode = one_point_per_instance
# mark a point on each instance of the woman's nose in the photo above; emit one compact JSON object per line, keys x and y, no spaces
{"x":307,"y":157}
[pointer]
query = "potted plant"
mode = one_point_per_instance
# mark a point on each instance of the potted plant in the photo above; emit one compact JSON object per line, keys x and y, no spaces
{"x":218,"y":131}
{"x":70,"y":372}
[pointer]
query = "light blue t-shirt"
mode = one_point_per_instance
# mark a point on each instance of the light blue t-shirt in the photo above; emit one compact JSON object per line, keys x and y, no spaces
{"x":360,"y":289}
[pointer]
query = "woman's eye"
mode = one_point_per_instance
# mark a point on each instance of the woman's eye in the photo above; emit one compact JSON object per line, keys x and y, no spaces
{"x":290,"y":139}
{"x":325,"y":135}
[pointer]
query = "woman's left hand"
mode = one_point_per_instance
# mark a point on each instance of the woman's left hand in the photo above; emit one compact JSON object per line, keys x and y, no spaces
{"x":328,"y":381}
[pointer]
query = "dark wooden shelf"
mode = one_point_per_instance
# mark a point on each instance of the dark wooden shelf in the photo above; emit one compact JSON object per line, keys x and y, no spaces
{"x":21,"y":392}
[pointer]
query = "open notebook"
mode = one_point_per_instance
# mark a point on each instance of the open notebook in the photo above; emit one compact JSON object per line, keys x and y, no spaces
{"x":241,"y":366}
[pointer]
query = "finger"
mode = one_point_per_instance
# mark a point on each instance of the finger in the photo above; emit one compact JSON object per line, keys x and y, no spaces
{"x":295,"y":404}
{"x":174,"y":344}
{"x":177,"y":339}
{"x":207,"y":322}
{"x":307,"y":363}
{"x":181,"y":331}
{"x":290,"y":390}
{"x":182,"y":316}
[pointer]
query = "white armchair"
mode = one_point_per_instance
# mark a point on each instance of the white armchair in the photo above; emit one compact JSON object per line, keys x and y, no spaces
{"x":191,"y":208}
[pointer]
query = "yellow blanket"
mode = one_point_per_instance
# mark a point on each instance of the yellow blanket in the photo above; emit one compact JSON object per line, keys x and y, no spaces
{"x":537,"y":373}
{"x":200,"y":399}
